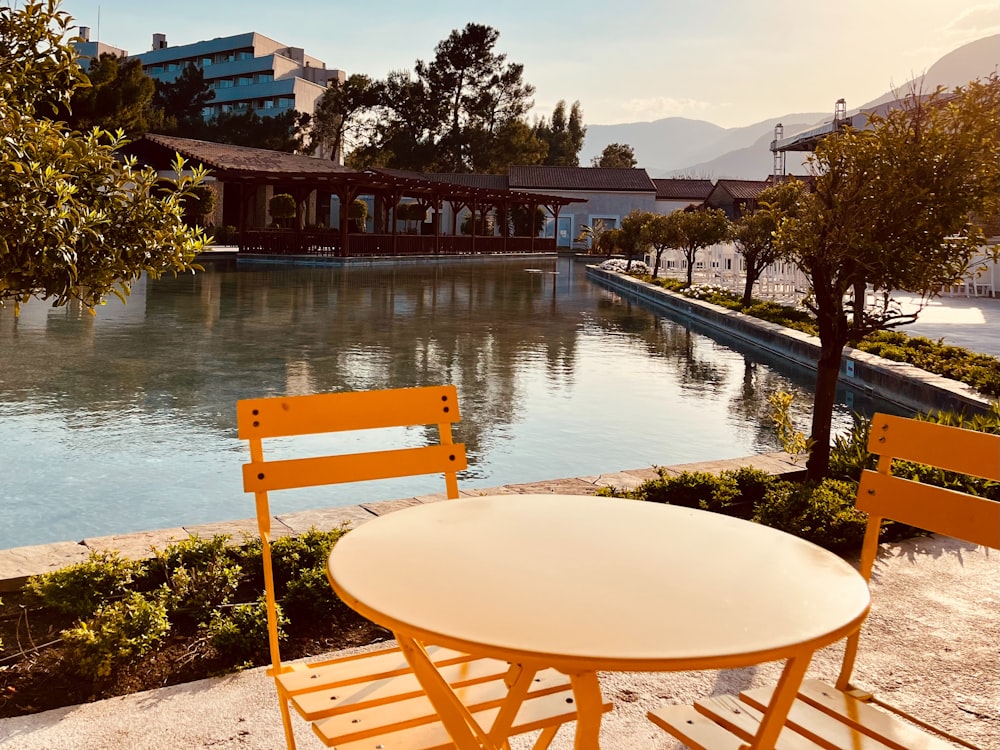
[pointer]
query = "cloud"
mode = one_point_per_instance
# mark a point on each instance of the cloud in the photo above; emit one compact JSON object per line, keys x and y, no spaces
{"x":975,"y":22}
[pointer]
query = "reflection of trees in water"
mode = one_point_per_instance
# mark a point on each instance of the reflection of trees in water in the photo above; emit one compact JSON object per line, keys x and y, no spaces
{"x":195,"y":344}
{"x":750,"y":406}
{"x":675,"y":343}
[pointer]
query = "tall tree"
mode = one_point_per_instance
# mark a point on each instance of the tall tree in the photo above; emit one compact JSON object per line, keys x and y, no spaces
{"x":755,"y":233}
{"x":891,"y":210}
{"x":563,"y":137}
{"x":78,"y":221}
{"x":459,"y":112}
{"x":615,"y":156}
{"x":342,"y":117}
{"x":182,"y":101}
{"x":284,"y":132}
{"x":120,"y":95}
{"x":691,"y":231}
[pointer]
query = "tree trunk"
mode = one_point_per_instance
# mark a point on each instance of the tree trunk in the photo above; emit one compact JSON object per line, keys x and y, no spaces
{"x":748,"y":288}
{"x":827,"y":373}
{"x":656,"y":262}
{"x":690,"y":268}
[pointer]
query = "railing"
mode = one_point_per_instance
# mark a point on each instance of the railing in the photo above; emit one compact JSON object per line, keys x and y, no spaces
{"x":328,"y":242}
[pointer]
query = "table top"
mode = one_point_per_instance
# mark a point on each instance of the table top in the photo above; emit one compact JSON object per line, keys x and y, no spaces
{"x":596,"y":583}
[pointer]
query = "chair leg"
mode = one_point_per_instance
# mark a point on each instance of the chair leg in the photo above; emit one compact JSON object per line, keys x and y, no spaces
{"x":286,"y":719}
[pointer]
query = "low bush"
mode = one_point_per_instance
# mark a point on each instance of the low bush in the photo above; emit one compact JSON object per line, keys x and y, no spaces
{"x":822,"y":513}
{"x":239,"y":633}
{"x":80,"y":589}
{"x":118,"y":631}
{"x":199,"y":575}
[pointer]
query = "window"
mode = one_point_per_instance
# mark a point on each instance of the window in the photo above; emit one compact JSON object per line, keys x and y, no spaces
{"x":207,"y":112}
{"x":269,"y":104}
{"x":155,"y":69}
{"x":172,"y":67}
{"x":206,"y":61}
{"x":244,"y":81}
{"x":224,"y":83}
{"x":265,"y":77}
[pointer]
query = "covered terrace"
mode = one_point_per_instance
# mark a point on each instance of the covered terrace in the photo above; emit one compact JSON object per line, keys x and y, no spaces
{"x":244,"y":179}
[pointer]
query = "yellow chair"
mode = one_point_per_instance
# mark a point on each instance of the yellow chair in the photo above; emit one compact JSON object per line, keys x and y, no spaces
{"x":373,"y":700}
{"x":842,"y":716}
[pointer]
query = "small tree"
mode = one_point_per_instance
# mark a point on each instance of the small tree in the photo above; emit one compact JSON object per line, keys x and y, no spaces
{"x":691,"y":231}
{"x":754,"y":234}
{"x":77,"y":222}
{"x":282,"y":208}
{"x":615,"y":156}
{"x":891,"y":210}
{"x":630,"y":239}
{"x":357,"y":212}
{"x":660,"y":232}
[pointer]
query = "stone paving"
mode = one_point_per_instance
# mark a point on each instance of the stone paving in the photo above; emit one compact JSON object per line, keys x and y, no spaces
{"x":18,"y":563}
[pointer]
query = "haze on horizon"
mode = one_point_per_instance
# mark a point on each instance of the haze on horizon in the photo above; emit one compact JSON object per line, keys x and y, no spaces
{"x":732,"y":63}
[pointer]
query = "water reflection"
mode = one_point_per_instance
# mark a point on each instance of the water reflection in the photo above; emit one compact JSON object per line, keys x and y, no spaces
{"x":125,"y":421}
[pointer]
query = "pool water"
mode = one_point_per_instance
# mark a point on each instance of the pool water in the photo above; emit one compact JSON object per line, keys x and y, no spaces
{"x":125,"y":421}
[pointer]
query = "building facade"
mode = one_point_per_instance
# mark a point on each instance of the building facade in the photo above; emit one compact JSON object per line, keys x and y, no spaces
{"x":247,"y":72}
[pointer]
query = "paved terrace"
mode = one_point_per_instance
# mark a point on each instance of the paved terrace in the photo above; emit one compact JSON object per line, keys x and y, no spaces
{"x":930,"y":646}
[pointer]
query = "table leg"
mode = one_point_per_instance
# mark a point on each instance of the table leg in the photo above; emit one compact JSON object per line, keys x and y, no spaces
{"x":589,"y":707}
{"x":781,"y":703}
{"x":462,"y":726}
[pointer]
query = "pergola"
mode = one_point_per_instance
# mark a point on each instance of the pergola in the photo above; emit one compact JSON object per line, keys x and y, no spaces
{"x":245,"y":173}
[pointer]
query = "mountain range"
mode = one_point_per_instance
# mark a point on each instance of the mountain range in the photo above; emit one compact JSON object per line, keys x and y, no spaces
{"x":683,"y":147}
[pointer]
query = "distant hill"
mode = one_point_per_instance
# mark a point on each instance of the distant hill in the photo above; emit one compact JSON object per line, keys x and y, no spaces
{"x":678,"y":146}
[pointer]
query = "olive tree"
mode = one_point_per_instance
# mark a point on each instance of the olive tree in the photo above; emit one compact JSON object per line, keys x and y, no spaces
{"x":891,"y":211}
{"x":78,"y":221}
{"x":754,"y":234}
{"x":691,"y":231}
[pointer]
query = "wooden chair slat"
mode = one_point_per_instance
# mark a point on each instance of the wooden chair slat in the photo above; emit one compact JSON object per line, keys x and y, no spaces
{"x":826,"y":730}
{"x":387,"y":662}
{"x":417,"y":709}
{"x":286,"y":416}
{"x":951,"y":448}
{"x":945,"y":511}
{"x":356,"y":467}
{"x":694,"y":729}
{"x":744,"y":720}
{"x":536,"y":713}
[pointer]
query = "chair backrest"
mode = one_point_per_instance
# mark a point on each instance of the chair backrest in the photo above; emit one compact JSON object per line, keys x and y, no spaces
{"x":288,"y":416}
{"x":949,"y":512}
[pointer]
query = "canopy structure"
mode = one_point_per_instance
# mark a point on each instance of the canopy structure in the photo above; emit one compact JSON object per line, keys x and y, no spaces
{"x":245,"y":178}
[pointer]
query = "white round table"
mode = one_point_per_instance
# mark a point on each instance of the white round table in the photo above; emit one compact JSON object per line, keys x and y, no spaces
{"x":584,"y":584}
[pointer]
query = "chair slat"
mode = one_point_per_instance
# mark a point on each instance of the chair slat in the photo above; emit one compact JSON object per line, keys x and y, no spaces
{"x":820,"y":727}
{"x":694,"y":729}
{"x":536,"y":713}
{"x":951,"y":448}
{"x":858,"y":725}
{"x":355,"y":467}
{"x":937,"y":509}
{"x":417,"y":709}
{"x":335,"y":412}
{"x":744,"y":720}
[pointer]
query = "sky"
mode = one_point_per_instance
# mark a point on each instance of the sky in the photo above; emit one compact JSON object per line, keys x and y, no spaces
{"x":730,"y":62}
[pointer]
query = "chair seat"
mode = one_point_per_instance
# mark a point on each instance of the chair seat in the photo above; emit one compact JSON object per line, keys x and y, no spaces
{"x":822,"y":717}
{"x":374,"y":699}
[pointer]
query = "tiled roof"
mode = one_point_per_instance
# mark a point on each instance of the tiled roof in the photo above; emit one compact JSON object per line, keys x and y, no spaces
{"x":682,"y":189}
{"x":486,"y":181}
{"x":745,"y":190}
{"x":223,"y":157}
{"x":580,"y":178}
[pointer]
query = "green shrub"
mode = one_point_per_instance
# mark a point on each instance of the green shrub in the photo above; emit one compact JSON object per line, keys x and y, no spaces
{"x":822,"y":513}
{"x":691,"y":489}
{"x":118,"y":631}
{"x":80,"y":589}
{"x":309,"y":595}
{"x":239,"y":633}
{"x":753,"y":485}
{"x":290,"y":556}
{"x":199,"y":574}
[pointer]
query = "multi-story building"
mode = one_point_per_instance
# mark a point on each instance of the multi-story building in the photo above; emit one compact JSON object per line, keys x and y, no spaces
{"x":89,"y":50}
{"x":246,"y":72}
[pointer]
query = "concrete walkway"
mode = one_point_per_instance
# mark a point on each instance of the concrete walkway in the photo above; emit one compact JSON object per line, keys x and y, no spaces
{"x":930,"y":647}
